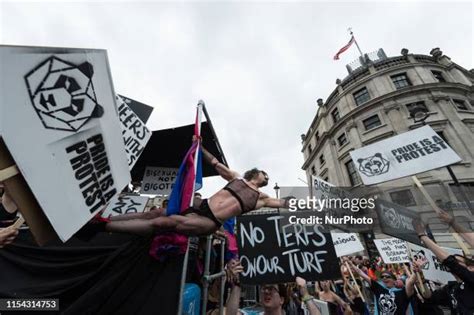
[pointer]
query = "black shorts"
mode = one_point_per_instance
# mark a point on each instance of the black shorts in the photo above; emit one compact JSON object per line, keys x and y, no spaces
{"x":203,"y":211}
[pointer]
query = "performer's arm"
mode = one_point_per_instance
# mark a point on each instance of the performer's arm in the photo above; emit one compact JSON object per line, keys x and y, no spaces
{"x":223,"y":170}
{"x":275,"y":203}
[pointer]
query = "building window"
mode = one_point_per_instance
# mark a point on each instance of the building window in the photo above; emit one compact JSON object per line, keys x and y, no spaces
{"x":321,"y":159}
{"x":353,"y":176}
{"x":411,"y":106}
{"x":335,"y":115}
{"x":372,"y":122}
{"x":403,"y":198}
{"x":400,"y":80}
{"x":460,"y":104}
{"x":438,"y":76}
{"x":342,"y":139}
{"x":316,"y":135}
{"x":326,"y":179}
{"x":468,"y":189}
{"x":313,"y":170}
{"x":361,"y":96}
{"x":310,"y":148}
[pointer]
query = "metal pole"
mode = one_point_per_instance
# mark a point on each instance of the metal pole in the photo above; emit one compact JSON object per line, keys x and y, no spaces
{"x":355,"y":41}
{"x":221,"y":299}
{"x":183,"y":279}
{"x":461,"y":190}
{"x":205,"y":285}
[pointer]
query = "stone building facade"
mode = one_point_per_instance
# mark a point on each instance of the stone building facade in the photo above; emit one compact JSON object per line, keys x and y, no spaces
{"x":373,"y":103}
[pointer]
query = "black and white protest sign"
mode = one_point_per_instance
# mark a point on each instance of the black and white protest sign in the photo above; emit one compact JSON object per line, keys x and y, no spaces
{"x":406,"y":154}
{"x":393,"y":250}
{"x":123,"y":204}
{"x":135,"y":133}
{"x":273,"y":254}
{"x":346,"y":243}
{"x":158,"y":180}
{"x":59,"y":121}
{"x":397,"y":221}
{"x":433,"y":270}
{"x":143,"y":111}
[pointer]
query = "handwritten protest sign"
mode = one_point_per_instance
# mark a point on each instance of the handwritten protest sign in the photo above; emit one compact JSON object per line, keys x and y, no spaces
{"x":346,"y":243}
{"x":135,"y":133}
{"x":270,"y":254}
{"x":397,"y":221}
{"x":158,"y":180}
{"x":123,"y":204}
{"x":392,"y":250}
{"x":434,"y":269}
{"x":406,"y":154}
{"x":60,"y":124}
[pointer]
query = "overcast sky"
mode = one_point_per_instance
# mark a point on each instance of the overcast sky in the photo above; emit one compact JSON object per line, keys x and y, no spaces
{"x":259,"y":67}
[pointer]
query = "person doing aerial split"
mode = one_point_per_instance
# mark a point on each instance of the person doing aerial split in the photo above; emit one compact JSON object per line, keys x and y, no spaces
{"x":239,"y":196}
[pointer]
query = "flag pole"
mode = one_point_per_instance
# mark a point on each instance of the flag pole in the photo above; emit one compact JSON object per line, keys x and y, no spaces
{"x":355,"y":41}
{"x":198,"y":131}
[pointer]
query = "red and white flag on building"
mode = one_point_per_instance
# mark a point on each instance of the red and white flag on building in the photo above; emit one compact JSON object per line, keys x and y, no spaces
{"x":343,"y":49}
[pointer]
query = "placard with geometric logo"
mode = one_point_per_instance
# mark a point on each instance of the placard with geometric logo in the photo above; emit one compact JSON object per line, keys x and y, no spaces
{"x":409,"y":153}
{"x":397,"y":221}
{"x":60,"y":123}
{"x":433,"y":270}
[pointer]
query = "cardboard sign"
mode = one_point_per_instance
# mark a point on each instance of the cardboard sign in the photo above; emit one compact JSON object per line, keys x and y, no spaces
{"x":397,"y":221}
{"x":323,"y":190}
{"x":270,"y":254}
{"x":346,"y":243}
{"x":407,"y":154}
{"x":135,"y":133}
{"x":434,"y":269}
{"x":392,"y":250}
{"x":59,"y":122}
{"x":158,"y":180}
{"x":123,"y":204}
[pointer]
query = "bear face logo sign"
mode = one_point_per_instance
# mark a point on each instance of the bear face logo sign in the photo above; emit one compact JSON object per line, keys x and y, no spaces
{"x":63,"y":94}
{"x":374,"y":165}
{"x":390,"y":217}
{"x":420,"y":255}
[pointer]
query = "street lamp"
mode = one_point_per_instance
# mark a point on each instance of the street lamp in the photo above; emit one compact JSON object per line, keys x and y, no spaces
{"x":277,"y":190}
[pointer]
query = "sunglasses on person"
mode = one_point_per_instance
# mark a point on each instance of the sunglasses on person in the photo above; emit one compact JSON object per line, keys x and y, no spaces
{"x":386,"y":276}
{"x":269,"y":288}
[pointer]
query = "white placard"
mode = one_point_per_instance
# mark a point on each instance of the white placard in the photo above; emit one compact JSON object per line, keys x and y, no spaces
{"x":407,"y":154}
{"x":158,"y":180}
{"x":60,"y":123}
{"x":434,"y":270}
{"x":135,"y":133}
{"x":346,"y":243}
{"x":123,"y":204}
{"x":392,"y":250}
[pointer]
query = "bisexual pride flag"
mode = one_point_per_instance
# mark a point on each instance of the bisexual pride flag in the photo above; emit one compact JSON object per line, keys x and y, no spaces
{"x":189,"y":178}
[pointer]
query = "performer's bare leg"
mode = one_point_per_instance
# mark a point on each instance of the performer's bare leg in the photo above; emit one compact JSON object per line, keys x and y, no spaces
{"x":188,"y":225}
